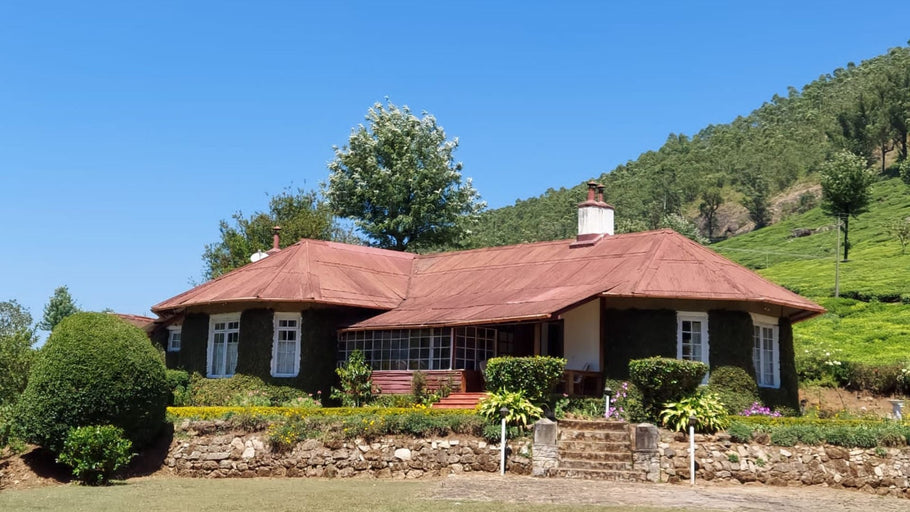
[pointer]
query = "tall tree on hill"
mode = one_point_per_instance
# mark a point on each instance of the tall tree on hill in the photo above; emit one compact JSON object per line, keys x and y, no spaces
{"x":60,"y":306}
{"x":300,"y":213}
{"x":711,"y":201}
{"x":846,"y":191}
{"x":397,"y":179}
{"x":756,"y":196}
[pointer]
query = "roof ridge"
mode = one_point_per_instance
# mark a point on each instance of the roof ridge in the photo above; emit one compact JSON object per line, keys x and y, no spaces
{"x":651,"y":259}
{"x":284,"y":264}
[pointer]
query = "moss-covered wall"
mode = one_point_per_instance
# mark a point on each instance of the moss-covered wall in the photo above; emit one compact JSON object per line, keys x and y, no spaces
{"x":634,"y":334}
{"x":159,"y":341}
{"x":254,"y":347}
{"x":318,"y":345}
{"x":788,"y":393}
{"x":730,"y":339}
{"x":193,"y":343}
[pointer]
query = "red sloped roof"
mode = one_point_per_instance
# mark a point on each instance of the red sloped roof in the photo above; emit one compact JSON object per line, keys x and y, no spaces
{"x":142,"y":322}
{"x":309,"y":271}
{"x":530,"y":281}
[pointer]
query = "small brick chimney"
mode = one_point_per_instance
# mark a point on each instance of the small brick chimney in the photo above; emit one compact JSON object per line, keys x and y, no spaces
{"x":276,"y":239}
{"x":595,"y":217}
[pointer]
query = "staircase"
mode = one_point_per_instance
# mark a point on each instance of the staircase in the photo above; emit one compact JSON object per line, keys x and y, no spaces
{"x":595,"y":450}
{"x":460,"y":401}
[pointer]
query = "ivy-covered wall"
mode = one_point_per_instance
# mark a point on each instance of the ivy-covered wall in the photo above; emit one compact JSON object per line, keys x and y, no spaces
{"x":318,"y":345}
{"x":193,"y":345}
{"x":730,"y":339}
{"x":635,"y":334}
{"x":254,"y":347}
{"x":788,"y":393}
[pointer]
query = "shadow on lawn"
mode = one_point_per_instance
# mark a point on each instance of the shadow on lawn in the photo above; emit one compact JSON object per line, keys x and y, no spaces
{"x":151,"y":458}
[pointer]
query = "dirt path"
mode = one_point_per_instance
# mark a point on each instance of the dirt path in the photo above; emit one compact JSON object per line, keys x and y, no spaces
{"x":704,"y":496}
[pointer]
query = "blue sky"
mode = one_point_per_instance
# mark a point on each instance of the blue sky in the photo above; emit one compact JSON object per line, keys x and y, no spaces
{"x":129,"y":129}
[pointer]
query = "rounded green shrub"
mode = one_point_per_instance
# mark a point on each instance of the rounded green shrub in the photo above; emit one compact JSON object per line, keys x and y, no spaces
{"x":662,"y":380}
{"x":534,"y":376}
{"x":95,"y":369}
{"x":735,"y":387}
{"x":95,"y":453}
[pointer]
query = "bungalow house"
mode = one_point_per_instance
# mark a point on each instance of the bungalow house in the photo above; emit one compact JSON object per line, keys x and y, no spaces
{"x":598,"y":300}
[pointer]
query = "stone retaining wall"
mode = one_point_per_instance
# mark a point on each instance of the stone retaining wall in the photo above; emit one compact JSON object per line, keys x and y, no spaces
{"x":211,"y":449}
{"x":878,"y":470}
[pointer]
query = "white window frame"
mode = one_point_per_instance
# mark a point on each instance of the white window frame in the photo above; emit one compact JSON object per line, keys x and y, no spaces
{"x":689,"y":316}
{"x":761,"y":322}
{"x":174,"y":331}
{"x":226,"y":318}
{"x":277,"y":329}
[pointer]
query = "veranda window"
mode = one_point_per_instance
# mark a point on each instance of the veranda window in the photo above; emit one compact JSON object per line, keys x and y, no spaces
{"x":473,"y":345}
{"x":400,"y":349}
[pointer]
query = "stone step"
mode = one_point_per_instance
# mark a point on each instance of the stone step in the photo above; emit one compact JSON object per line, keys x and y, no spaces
{"x":594,"y":435}
{"x":624,"y":456}
{"x":600,"y":474}
{"x":460,"y":401}
{"x":595,"y":464}
{"x":594,"y":446}
{"x":609,"y":425}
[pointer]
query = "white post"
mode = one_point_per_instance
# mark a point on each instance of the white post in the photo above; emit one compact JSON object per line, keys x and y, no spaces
{"x":502,"y":449}
{"x":692,"y":450}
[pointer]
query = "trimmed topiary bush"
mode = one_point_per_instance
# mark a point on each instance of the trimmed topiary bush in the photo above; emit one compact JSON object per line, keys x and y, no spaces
{"x":95,"y":369}
{"x":534,"y":377}
{"x":662,"y":380}
{"x":95,"y":453}
{"x":735,"y":387}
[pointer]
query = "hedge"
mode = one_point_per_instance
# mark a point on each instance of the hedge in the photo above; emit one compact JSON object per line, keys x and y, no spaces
{"x":663,"y":380}
{"x":534,"y":376}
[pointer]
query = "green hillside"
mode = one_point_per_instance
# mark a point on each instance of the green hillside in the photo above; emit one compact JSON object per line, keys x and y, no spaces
{"x":876,"y":269}
{"x":741,"y":165}
{"x":876,"y":328}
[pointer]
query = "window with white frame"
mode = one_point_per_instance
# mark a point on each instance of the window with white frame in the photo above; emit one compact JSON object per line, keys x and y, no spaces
{"x":692,"y":336}
{"x":173,"y":338}
{"x":224,"y":335}
{"x":766,"y":351}
{"x":286,"y":345}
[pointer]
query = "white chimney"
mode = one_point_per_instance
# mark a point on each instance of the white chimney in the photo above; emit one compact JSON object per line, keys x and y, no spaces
{"x":595,"y":217}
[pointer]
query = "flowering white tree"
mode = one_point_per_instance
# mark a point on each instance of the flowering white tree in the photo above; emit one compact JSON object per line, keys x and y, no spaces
{"x":397,"y":179}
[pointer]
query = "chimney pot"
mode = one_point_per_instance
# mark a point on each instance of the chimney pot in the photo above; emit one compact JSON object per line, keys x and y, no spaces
{"x":591,"y":187}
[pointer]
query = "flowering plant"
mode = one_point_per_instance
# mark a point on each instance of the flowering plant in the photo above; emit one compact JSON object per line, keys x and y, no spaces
{"x":615,"y":410}
{"x":758,"y":409}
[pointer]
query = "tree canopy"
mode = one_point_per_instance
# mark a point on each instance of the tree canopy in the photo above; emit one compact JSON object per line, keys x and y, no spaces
{"x":845,"y":189}
{"x":299,"y":213}
{"x":60,"y":306}
{"x":17,"y":336}
{"x":398,"y":180}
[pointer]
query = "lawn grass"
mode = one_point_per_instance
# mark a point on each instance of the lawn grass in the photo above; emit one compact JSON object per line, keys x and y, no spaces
{"x":274,"y":495}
